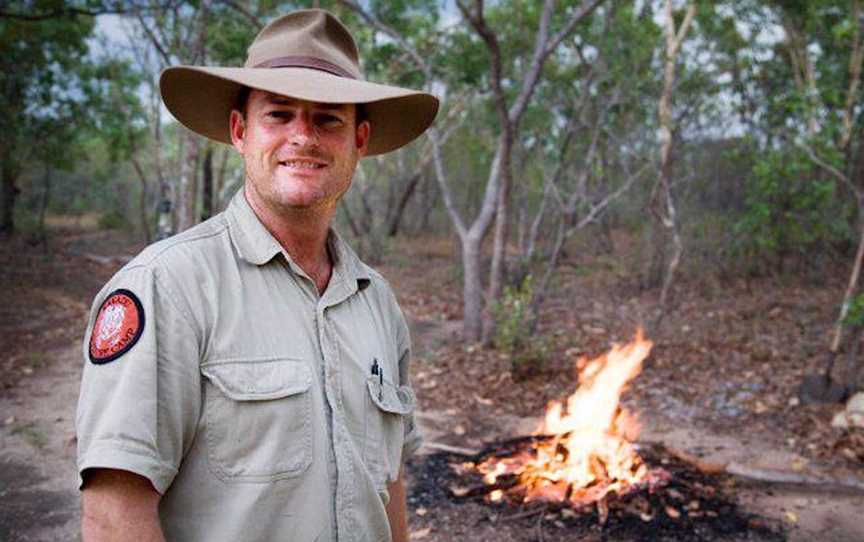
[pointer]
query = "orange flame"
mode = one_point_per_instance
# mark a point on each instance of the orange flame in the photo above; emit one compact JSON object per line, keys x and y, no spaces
{"x":590,"y":453}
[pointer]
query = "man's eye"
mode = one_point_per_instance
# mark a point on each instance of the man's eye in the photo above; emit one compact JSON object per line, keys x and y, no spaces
{"x":279,"y":114}
{"x":330,"y":121}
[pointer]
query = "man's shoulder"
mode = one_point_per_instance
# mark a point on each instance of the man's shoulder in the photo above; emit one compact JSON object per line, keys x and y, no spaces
{"x":193,"y":247}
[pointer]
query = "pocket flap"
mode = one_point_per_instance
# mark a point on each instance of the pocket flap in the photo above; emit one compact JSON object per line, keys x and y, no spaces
{"x":390,"y":398}
{"x":259,"y":380}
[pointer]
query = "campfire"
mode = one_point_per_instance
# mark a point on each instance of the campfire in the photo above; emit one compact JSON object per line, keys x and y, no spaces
{"x":583,"y":449}
{"x":583,"y":475}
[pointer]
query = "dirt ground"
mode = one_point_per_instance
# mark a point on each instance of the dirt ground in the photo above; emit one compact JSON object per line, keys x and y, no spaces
{"x":720,"y":383}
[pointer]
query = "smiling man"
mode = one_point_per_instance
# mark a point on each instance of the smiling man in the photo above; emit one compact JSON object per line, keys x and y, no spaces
{"x":248,"y":378}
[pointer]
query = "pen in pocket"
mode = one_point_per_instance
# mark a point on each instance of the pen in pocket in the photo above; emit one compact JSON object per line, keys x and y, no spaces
{"x":378,"y":370}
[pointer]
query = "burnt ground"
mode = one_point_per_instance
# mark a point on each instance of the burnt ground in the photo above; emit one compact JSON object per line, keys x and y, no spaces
{"x":680,"y":503}
{"x":721,"y":384}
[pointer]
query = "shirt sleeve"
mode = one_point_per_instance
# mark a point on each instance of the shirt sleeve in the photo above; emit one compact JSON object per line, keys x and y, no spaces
{"x":140,"y":390}
{"x":413,"y":438}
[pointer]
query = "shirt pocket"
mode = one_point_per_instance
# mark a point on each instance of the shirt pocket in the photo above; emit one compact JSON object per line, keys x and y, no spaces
{"x":385,"y":431}
{"x":258,"y":419}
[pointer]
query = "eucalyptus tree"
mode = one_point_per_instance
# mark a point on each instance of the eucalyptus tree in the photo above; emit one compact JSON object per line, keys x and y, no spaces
{"x":513,"y":80}
{"x":591,"y":128}
{"x":662,"y":201}
{"x":385,"y":186}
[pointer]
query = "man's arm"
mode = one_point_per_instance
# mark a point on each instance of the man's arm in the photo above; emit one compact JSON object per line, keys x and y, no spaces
{"x":119,"y":506}
{"x":397,"y":511}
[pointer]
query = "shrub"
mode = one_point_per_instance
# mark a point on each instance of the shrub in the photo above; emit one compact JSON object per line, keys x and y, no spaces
{"x":113,"y":220}
{"x":790,"y":209}
{"x":515,"y":323}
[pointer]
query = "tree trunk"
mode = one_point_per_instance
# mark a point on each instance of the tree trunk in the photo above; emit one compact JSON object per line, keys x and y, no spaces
{"x":46,"y":198}
{"x":8,"y":193}
{"x":219,"y":181}
{"x":187,"y":186}
{"x":472,"y":323}
{"x":207,"y":185}
{"x":396,"y":218}
{"x":145,"y":222}
{"x":664,"y":211}
{"x":499,"y":241}
{"x":430,"y":200}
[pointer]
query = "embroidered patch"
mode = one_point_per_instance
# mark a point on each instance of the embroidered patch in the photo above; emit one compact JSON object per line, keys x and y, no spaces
{"x":118,"y":326}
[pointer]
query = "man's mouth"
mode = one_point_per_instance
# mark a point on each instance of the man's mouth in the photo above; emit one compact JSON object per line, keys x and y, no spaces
{"x":301,"y":163}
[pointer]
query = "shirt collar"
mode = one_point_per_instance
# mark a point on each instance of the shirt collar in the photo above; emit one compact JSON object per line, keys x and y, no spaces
{"x":251,"y":239}
{"x":257,"y":246}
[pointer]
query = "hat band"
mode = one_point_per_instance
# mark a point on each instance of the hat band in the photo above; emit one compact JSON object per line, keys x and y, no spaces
{"x":306,"y":62}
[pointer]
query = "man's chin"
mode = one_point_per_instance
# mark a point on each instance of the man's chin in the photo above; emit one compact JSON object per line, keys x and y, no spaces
{"x":300,"y":202}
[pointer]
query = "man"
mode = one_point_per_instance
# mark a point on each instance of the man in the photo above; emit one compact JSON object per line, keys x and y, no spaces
{"x":247,"y":380}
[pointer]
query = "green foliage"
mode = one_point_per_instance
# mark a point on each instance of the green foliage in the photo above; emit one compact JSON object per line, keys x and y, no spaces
{"x":41,"y":88}
{"x":790,"y":209}
{"x":115,"y":112}
{"x":514,"y":328}
{"x":855,"y":316}
{"x":113,"y":220}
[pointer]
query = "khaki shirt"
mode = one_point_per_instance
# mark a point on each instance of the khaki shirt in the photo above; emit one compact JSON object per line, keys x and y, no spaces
{"x":248,"y":400}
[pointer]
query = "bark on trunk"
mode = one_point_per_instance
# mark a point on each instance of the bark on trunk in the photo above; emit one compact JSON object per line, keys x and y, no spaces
{"x":207,"y":185}
{"x":396,"y":218}
{"x":472,"y":324}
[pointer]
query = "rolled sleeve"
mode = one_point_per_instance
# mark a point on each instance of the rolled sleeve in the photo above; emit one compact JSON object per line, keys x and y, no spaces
{"x":139,"y":412}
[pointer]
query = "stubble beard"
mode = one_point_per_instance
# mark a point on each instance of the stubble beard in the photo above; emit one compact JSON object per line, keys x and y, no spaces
{"x":264,"y":185}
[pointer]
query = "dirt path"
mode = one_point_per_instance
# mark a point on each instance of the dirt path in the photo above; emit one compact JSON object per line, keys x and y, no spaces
{"x":37,"y":462}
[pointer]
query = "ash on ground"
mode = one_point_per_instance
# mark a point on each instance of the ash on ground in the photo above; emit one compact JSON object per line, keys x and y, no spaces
{"x":690,"y":506}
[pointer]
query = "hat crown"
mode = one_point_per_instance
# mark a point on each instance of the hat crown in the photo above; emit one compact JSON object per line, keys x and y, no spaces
{"x":311,"y":34}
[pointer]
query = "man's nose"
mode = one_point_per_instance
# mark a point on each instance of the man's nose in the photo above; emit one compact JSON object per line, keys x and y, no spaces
{"x":302,"y":130}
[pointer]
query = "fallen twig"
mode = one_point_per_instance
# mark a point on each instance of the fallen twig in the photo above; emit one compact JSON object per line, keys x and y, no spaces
{"x":771,"y":476}
{"x":526,"y":514}
{"x":468,"y":452}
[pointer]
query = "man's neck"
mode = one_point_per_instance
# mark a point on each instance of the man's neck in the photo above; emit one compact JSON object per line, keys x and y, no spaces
{"x":303,"y":234}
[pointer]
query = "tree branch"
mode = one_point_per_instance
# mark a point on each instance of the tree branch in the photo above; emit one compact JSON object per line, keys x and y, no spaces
{"x":389,"y":31}
{"x":112,"y":8}
{"x":833,"y":171}
{"x":166,"y":58}
{"x":586,"y":9}
{"x":478,"y":22}
{"x":242,"y":10}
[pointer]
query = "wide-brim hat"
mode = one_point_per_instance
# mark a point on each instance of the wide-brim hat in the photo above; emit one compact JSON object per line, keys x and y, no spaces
{"x":307,"y":55}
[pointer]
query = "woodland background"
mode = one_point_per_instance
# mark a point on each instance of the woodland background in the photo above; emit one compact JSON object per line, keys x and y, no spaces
{"x":725,"y":135}
{"x":692,"y":167}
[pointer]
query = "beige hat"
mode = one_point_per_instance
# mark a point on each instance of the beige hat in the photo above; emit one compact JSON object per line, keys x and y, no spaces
{"x":308,"y":55}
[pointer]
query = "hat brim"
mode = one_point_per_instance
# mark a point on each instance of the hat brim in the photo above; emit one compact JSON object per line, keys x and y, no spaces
{"x":202,"y":98}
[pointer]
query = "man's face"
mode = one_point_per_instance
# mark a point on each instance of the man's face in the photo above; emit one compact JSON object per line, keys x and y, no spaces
{"x":298,"y":154}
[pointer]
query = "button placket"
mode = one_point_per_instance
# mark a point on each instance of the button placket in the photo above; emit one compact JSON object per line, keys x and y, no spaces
{"x":345,"y":521}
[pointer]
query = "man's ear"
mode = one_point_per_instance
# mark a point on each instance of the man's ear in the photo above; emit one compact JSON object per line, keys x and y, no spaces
{"x":237,"y":127}
{"x":361,"y":137}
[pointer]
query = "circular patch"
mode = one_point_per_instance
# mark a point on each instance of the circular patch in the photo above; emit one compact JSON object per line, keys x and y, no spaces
{"x":118,"y":326}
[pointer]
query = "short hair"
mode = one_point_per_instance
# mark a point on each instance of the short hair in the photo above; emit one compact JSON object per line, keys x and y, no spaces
{"x":242,"y":99}
{"x":360,"y":113}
